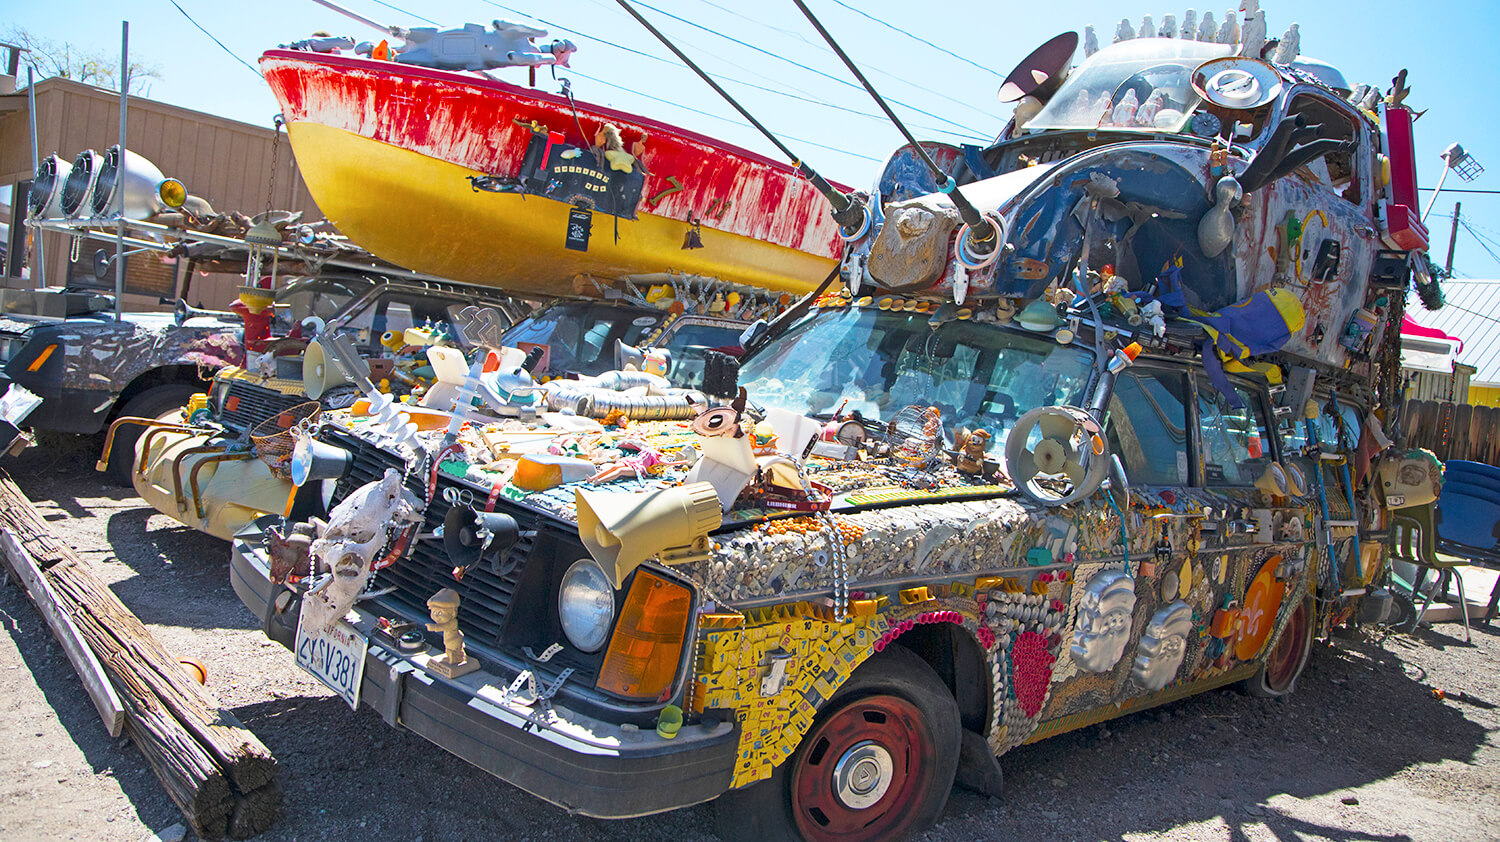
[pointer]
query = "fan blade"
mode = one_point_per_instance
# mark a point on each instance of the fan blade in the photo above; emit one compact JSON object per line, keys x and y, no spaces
{"x":1024,"y":469}
{"x":1074,"y":471}
{"x":1058,"y":425}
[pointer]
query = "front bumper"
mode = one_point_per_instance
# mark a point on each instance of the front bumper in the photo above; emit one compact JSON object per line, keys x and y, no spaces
{"x":579,"y":763}
{"x":193,"y":478}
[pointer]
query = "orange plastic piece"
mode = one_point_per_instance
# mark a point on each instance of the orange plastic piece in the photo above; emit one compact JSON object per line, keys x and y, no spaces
{"x":646,"y":646}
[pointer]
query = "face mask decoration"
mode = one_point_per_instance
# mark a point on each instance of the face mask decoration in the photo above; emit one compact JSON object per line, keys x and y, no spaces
{"x":1103,"y":626}
{"x":1163,"y":645}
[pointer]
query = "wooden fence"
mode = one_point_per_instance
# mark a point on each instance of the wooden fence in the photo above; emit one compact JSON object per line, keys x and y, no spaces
{"x":1453,"y":430}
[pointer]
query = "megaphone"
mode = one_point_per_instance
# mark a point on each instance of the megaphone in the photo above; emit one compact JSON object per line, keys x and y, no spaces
{"x":79,"y":185}
{"x":45,"y":201}
{"x":621,"y":531}
{"x":1272,"y":480}
{"x":1296,"y":481}
{"x":653,"y":360}
{"x":319,"y":372}
{"x":145,"y":190}
{"x":313,"y":460}
{"x":470,"y":535}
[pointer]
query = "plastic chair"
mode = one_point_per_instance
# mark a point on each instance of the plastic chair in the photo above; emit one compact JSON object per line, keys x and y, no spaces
{"x":1414,"y":542}
{"x":1468,"y":518}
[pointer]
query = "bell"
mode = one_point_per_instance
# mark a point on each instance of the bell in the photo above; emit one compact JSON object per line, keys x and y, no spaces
{"x":693,"y":239}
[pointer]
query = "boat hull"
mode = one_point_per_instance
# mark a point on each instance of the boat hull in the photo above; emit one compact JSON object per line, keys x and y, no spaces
{"x":388,"y":152}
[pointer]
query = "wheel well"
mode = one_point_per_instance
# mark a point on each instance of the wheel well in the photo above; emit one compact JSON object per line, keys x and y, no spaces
{"x":958,"y":660}
{"x":159,"y":376}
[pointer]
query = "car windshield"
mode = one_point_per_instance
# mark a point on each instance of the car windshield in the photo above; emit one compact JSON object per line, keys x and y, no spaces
{"x":1140,"y":85}
{"x":580,"y":336}
{"x":320,"y":297}
{"x":878,"y":361}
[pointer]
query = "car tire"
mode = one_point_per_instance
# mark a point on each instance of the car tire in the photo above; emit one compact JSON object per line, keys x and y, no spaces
{"x":878,"y":763}
{"x":155,"y":402}
{"x":1277,"y":675}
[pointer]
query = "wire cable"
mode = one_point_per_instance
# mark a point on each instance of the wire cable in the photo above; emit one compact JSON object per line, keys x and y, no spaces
{"x":189,"y":17}
{"x":968,"y":134}
{"x":919,"y":39}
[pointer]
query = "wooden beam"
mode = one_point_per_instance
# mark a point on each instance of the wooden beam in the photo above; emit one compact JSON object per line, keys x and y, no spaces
{"x":106,"y":701}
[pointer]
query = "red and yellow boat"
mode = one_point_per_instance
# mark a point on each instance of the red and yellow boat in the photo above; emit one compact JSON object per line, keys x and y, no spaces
{"x":465,"y":176}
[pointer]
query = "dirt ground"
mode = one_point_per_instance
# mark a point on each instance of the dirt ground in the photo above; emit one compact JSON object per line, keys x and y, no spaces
{"x":1363,"y":751}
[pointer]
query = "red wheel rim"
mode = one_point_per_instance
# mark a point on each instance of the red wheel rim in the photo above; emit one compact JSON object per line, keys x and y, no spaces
{"x":1285,"y":659}
{"x":861,"y":773}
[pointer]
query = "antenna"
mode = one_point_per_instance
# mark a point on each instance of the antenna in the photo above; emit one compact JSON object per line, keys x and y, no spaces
{"x":850,"y":215}
{"x":984,"y":232}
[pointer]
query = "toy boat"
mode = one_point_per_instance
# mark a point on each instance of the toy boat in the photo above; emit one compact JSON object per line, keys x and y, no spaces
{"x":471,"y":178}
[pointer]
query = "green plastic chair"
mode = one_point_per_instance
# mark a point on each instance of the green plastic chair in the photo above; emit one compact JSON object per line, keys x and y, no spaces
{"x":1414,"y":542}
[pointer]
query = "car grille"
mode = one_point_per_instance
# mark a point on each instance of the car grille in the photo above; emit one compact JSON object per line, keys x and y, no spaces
{"x":485,"y":598}
{"x":253,"y":404}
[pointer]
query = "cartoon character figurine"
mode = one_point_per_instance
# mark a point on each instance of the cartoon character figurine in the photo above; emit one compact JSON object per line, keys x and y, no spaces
{"x":443,"y":608}
{"x":1103,"y":627}
{"x":970,"y":457}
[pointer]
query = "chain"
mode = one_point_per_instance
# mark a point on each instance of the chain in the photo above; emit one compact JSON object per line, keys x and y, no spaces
{"x":836,"y":553}
{"x":275,"y":162}
{"x":75,"y":249}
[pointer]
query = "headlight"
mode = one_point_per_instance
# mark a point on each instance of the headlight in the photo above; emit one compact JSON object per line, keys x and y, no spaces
{"x":586,"y":605}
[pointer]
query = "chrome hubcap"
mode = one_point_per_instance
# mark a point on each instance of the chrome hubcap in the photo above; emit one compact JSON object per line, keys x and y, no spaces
{"x":862,"y":775}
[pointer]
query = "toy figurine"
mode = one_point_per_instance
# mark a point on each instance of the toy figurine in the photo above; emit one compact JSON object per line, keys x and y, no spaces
{"x":970,"y":456}
{"x":443,"y":607}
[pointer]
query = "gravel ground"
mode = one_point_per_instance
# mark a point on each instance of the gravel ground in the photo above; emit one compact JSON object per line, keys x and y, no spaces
{"x":1365,"y":750}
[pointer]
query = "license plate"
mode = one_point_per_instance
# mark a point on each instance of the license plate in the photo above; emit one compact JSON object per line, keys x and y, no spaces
{"x":337,"y":658}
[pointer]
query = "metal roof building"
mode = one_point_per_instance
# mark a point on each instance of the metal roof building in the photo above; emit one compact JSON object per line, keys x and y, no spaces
{"x":1472,"y":314}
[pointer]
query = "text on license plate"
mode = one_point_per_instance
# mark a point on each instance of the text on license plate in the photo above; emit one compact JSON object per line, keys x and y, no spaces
{"x":336,"y":658}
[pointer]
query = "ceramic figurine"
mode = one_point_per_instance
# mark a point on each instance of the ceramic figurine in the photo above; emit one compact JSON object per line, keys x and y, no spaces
{"x":1124,"y":32}
{"x":1189,"y":25}
{"x":1229,"y":32}
{"x":1253,"y":33}
{"x":1148,"y":29}
{"x":1207,"y":29}
{"x":1290,"y":46}
{"x":1168,"y":26}
{"x":443,"y":608}
{"x":1090,"y":41}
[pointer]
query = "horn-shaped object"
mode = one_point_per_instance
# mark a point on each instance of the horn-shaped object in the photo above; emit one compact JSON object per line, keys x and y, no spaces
{"x":470,"y":535}
{"x":1296,"y":481}
{"x":319,"y":371}
{"x":1272,"y":480}
{"x":313,"y":460}
{"x":146,"y":191}
{"x":79,"y":185}
{"x":45,"y":201}
{"x":1041,"y":73}
{"x":621,"y":531}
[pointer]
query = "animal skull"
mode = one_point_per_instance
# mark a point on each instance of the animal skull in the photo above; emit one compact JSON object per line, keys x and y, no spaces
{"x":356,"y":530}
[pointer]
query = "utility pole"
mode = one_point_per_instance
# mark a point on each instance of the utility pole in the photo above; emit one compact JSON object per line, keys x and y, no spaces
{"x":1452,"y":240}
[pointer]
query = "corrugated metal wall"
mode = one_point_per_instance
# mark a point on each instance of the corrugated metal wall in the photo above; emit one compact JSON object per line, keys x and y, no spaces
{"x":226,"y":162}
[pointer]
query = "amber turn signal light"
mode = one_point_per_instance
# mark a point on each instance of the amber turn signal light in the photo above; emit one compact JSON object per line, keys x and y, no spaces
{"x":646,"y":646}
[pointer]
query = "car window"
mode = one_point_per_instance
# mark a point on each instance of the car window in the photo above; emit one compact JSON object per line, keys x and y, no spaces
{"x":1148,"y":426}
{"x":688,"y":342}
{"x":1235,"y":442}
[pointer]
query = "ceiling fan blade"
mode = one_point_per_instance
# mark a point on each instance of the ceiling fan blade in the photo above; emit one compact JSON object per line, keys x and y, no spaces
{"x":1024,"y":469}
{"x":1074,"y":471}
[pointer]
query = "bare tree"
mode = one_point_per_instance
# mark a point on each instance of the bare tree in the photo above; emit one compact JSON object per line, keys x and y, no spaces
{"x":95,"y":67}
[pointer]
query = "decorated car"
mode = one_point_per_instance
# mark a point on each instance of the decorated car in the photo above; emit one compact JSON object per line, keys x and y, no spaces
{"x":1079,"y":435}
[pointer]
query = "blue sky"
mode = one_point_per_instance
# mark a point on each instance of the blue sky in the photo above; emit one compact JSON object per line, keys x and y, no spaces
{"x":948,"y":90}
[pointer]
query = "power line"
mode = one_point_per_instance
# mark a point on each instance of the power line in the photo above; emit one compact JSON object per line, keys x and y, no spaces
{"x":902,"y":78}
{"x":968,"y":135}
{"x":918,"y":38}
{"x":405,"y":12}
{"x":828,"y":76}
{"x":1453,"y":190}
{"x":212,"y":38}
{"x":718,"y":116}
